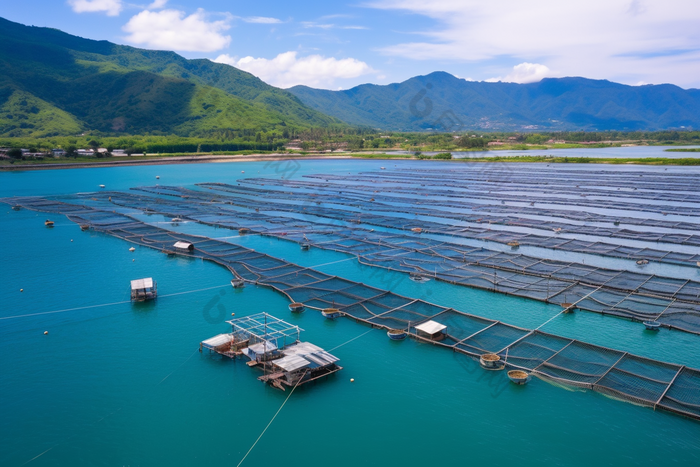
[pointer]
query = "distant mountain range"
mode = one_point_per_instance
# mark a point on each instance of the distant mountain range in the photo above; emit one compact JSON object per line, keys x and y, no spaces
{"x":440,"y":101}
{"x":54,"y":83}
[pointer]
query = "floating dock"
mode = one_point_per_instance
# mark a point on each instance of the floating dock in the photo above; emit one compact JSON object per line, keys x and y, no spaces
{"x":273,"y":345}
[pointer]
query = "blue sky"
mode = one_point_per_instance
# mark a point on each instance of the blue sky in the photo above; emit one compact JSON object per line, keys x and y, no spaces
{"x":337,"y":45}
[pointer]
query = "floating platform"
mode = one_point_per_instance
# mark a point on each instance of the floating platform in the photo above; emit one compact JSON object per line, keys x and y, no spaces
{"x":144,"y":289}
{"x":273,"y":345}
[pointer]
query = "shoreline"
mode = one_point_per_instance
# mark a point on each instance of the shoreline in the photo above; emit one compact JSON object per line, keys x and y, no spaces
{"x":168,"y":161}
{"x":173,"y":160}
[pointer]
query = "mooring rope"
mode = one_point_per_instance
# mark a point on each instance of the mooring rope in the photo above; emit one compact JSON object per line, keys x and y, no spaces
{"x":273,"y":418}
{"x":106,"y":304}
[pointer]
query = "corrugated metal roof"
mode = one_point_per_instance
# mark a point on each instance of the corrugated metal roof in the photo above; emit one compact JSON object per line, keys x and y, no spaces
{"x":431,"y":327}
{"x":216,"y":341}
{"x":313,"y":353}
{"x":263,"y":347}
{"x":291,"y":362}
{"x":146,"y":283}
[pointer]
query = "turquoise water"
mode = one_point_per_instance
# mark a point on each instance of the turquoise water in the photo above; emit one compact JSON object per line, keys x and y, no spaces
{"x":124,"y":384}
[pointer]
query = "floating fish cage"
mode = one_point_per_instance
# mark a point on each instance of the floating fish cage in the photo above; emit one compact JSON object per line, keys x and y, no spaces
{"x":296,"y":307}
{"x":652,"y":325}
{"x":518,"y":376}
{"x":397,"y":334}
{"x":330,"y":313}
{"x":490,"y":361}
{"x":144,"y":289}
{"x":48,"y":223}
{"x":273,"y":345}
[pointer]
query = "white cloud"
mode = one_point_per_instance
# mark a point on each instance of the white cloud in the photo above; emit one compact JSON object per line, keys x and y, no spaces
{"x":626,"y":40}
{"x":157,"y":5}
{"x":172,"y":30}
{"x":262,"y":20}
{"x":111,"y":7}
{"x":287,"y":70}
{"x":525,"y":73}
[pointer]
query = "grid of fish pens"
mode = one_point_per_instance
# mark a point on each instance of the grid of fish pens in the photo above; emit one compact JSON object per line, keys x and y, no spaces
{"x":637,"y":296}
{"x":567,"y":361}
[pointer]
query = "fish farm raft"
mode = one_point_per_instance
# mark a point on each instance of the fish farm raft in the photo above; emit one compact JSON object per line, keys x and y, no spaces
{"x":486,"y":229}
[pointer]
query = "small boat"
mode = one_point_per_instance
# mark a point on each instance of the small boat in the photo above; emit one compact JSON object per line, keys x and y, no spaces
{"x":420,"y":278}
{"x":616,"y":222}
{"x":157,"y":177}
{"x":642,"y":262}
{"x":243,"y":230}
{"x":48,"y":223}
{"x":382,"y":168}
{"x":330,"y":313}
{"x":652,"y":325}
{"x":132,"y":249}
{"x":237,"y":283}
{"x":490,"y":361}
{"x":305,"y":246}
{"x":397,"y":334}
{"x":416,"y":230}
{"x":169,"y":252}
{"x":697,"y":263}
{"x":568,"y":307}
{"x":102,"y":186}
{"x":176,"y":220}
{"x":296,"y":307}
{"x":557,"y":230}
{"x":518,"y":376}
{"x":513,"y":245}
{"x":84,"y":227}
{"x":532,"y":204}
{"x":16,"y":208}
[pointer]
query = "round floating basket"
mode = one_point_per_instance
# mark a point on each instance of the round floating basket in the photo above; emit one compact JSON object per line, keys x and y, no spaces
{"x":397,"y":334}
{"x":652,"y":325}
{"x":243,"y":230}
{"x":514,"y":245}
{"x":330,"y":313}
{"x":490,"y":361}
{"x":237,"y":283}
{"x":296,"y":307}
{"x":84,"y":227}
{"x":518,"y":376}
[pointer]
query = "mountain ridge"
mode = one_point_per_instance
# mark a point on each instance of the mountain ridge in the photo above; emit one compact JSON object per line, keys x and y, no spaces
{"x":570,"y":103}
{"x":117,"y":88}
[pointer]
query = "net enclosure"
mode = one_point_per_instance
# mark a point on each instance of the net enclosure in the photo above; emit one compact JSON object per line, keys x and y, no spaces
{"x":567,"y":361}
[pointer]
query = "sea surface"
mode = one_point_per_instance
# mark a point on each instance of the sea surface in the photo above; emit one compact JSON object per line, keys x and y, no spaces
{"x":621,"y":152}
{"x":122,"y":384}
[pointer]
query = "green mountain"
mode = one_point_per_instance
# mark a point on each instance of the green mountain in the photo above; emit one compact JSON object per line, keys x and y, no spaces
{"x":53,"y":83}
{"x":443,"y":102}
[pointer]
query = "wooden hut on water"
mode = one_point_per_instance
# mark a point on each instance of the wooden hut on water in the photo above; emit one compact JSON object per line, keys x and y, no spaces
{"x":431,"y":330}
{"x":144,"y":289}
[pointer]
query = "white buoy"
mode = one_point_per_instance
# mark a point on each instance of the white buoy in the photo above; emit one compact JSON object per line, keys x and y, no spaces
{"x":21,"y":290}
{"x":102,"y":186}
{"x":71,"y":239}
{"x":133,"y":260}
{"x":46,"y":332}
{"x":242,"y":171}
{"x":157,"y":176}
{"x":352,"y":380}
